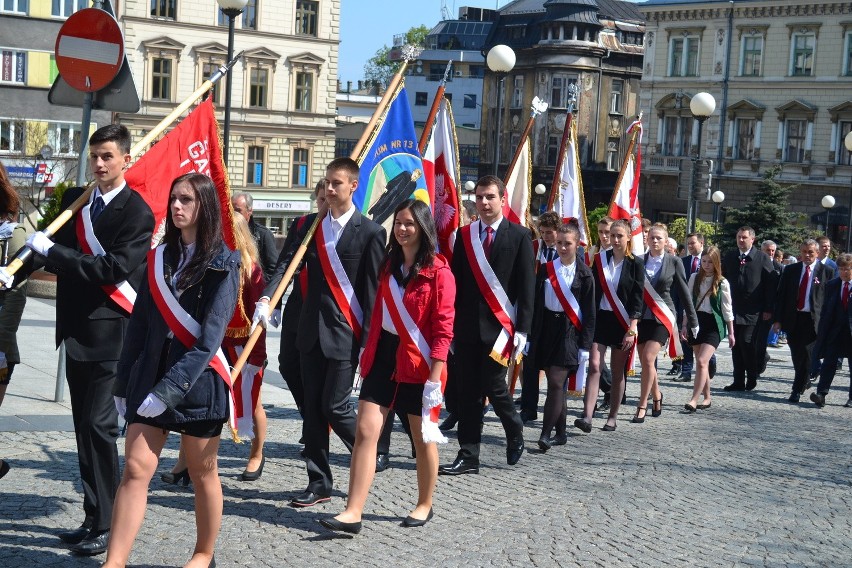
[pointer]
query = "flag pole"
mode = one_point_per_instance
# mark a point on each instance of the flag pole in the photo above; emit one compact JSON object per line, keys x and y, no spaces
{"x":409,"y":53}
{"x":24,"y":253}
{"x":538,"y":107}
{"x":433,"y":112}
{"x":573,"y":91}
{"x":626,"y":160}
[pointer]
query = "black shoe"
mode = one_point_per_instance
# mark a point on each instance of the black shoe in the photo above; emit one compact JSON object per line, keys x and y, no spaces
{"x":683,"y":378}
{"x":247,"y":475}
{"x":308,"y":498}
{"x":513,"y":454}
{"x":689,"y":408}
{"x":583,"y":425}
{"x":410,"y":521}
{"x":460,"y":466}
{"x":449,"y":422}
{"x":176,"y":477}
{"x":382,"y":462}
{"x":604,"y":405}
{"x":808,"y":385}
{"x":734,"y":387}
{"x":675,"y":370}
{"x":559,"y":440}
{"x":818,"y":399}
{"x":340,"y":526}
{"x":544,"y":443}
{"x":794,"y":398}
{"x":640,"y":419}
{"x":518,"y":401}
{"x":751,"y":385}
{"x":608,"y":428}
{"x":656,"y":412}
{"x":528,"y":416}
{"x":75,"y":536}
{"x":93,"y":544}
{"x":4,"y":468}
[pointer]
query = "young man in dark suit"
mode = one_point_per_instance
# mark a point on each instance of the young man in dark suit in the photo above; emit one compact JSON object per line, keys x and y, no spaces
{"x":834,"y":339}
{"x":752,"y":279}
{"x":480,"y":337}
{"x":331,"y":328}
{"x":797,"y":309}
{"x":91,"y":317}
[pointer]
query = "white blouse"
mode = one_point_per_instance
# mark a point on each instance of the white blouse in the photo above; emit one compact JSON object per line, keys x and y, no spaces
{"x":704,"y":306}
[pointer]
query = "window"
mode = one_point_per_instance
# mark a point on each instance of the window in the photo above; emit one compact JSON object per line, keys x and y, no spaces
{"x":306,"y":17}
{"x":612,"y":162}
{"x":518,"y":91}
{"x":11,"y":136}
{"x":64,"y":138}
{"x":845,"y":155}
{"x":802,"y":55}
{"x":683,"y":61}
{"x":475,"y":71}
{"x":299,"y":177}
{"x":207,"y":69}
{"x":304,"y":91}
{"x":752,"y":58}
{"x":677,"y":133}
{"x":745,"y":139}
{"x":14,"y":67}
{"x":436,"y":72}
{"x":553,"y":143}
{"x":255,"y":165}
{"x":250,"y":15}
{"x":19,"y":6}
{"x":64,"y":8}
{"x":796,"y":135}
{"x":421,"y":98}
{"x":164,"y":9}
{"x":258,"y":87}
{"x":470,"y":101}
{"x":161,"y":79}
{"x":616,"y":96}
{"x":847,"y":55}
{"x":559,"y":90}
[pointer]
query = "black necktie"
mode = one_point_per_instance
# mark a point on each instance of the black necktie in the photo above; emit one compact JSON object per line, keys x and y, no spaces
{"x":551,"y":254}
{"x":97,"y":208}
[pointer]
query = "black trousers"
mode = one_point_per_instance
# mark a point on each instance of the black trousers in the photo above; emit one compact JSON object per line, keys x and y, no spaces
{"x":451,"y":390}
{"x":800,"y":340}
{"x":95,"y":418}
{"x":383,"y":447}
{"x":529,"y":386}
{"x":290,"y":368}
{"x":481,"y":376}
{"x":743,"y":355}
{"x":328,"y":388}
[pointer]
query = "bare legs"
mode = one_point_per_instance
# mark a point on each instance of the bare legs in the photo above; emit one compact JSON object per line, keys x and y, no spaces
{"x":142,"y":451}
{"x":362,"y":468}
{"x":427,"y":469}
{"x":648,"y":352}
{"x":703,"y":352}
{"x":555,"y":411}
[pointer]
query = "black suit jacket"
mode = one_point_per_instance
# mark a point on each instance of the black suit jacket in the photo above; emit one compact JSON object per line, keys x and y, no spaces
{"x":753,"y":285}
{"x":265,"y":241}
{"x":834,"y":322}
{"x":89,"y":322}
{"x":676,"y":297}
{"x":361,"y":249}
{"x":512,"y":262}
{"x":671,"y":283}
{"x":630,"y":285}
{"x":788,"y":294}
{"x":583,"y":289}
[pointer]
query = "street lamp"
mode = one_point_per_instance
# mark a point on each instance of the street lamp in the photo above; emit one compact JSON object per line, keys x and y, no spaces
{"x":232,"y":9}
{"x":848,"y":143}
{"x":718,"y":197}
{"x":501,"y":60}
{"x":540,"y":190}
{"x":827,"y":204}
{"x":702,"y":106}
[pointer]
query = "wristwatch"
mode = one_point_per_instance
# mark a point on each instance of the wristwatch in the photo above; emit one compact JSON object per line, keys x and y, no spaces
{"x":632,"y":333}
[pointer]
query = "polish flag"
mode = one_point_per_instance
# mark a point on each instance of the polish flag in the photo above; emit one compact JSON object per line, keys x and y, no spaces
{"x":517,"y":204}
{"x":441,"y":169}
{"x":570,"y":203}
{"x":625,"y":199}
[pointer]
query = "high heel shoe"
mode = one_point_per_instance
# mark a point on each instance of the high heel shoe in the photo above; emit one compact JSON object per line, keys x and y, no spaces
{"x":247,"y":475}
{"x":640,"y":419}
{"x":655,"y":412}
{"x":176,"y":477}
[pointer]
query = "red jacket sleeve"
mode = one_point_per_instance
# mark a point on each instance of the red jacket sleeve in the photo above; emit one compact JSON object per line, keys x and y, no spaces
{"x":444,"y":313}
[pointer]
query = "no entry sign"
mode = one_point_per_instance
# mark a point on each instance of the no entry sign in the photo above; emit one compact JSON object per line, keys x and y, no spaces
{"x":89,"y":49}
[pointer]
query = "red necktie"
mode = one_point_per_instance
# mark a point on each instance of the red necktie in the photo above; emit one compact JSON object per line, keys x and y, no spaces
{"x":844,"y":299}
{"x":803,"y":289}
{"x":489,"y":240}
{"x":694,"y":264}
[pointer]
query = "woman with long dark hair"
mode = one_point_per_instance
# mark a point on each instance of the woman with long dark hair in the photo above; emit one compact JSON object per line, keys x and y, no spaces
{"x":410,"y":333}
{"x":170,"y":371}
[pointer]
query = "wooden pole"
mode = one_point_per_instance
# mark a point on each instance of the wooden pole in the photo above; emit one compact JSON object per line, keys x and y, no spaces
{"x":557,"y":175}
{"x":433,"y":112}
{"x":624,"y":164}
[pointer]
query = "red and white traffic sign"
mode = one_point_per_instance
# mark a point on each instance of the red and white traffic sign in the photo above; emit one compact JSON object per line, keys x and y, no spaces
{"x":89,"y":49}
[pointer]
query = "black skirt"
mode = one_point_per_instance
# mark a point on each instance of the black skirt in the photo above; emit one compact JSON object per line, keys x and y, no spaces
{"x":652,"y":330}
{"x":197,"y":429}
{"x":379,"y":387}
{"x":607,"y":329}
{"x":556,"y":344}
{"x":708,"y":333}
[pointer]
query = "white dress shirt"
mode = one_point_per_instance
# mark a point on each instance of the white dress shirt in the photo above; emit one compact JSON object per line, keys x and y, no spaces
{"x":565,"y":274}
{"x":337,"y":225}
{"x":615,"y":270}
{"x":807,"y":307}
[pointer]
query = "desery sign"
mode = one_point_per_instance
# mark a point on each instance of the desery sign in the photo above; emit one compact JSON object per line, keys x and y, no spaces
{"x":89,"y":49}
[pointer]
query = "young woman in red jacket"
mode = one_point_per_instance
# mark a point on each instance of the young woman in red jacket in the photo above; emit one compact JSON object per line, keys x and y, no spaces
{"x":404,"y":359}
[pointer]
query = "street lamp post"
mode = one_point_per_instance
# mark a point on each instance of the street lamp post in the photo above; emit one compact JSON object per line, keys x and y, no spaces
{"x":702,"y":106}
{"x":718,"y":197}
{"x":232,"y":9}
{"x":827,"y":204}
{"x":501,"y":60}
{"x":848,"y":143}
{"x":540,"y":190}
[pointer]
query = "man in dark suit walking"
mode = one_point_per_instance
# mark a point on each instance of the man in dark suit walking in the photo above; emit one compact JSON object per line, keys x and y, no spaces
{"x":495,"y":284}
{"x":99,"y":258}
{"x":343,"y":262}
{"x":243,"y":204}
{"x":834,"y":340}
{"x":691,"y":264}
{"x":797,"y":309}
{"x":750,"y":275}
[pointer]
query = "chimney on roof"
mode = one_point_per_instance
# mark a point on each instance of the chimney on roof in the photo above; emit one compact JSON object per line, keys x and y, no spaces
{"x":348,"y":86}
{"x":360,"y":85}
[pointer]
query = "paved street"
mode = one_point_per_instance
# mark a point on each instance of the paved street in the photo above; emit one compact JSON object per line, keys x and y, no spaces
{"x":752,"y":481}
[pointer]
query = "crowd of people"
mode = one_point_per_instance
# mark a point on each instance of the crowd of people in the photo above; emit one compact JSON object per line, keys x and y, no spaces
{"x":426,"y":327}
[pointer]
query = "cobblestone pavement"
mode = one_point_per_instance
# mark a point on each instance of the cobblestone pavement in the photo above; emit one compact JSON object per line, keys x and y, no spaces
{"x":753,"y":481}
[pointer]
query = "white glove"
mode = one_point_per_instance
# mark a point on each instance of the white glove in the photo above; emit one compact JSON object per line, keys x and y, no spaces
{"x":120,"y":405}
{"x":151,"y":407}
{"x":261,"y":315}
{"x":40,"y":243}
{"x":6,"y":279}
{"x":432,"y":396}
{"x":275,"y":318}
{"x":520,"y":341}
{"x":694,"y":331}
{"x":583,"y":356}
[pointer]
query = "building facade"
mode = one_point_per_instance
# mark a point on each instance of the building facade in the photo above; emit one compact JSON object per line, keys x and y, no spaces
{"x":283,"y":89}
{"x":780,"y":72}
{"x":595,"y":44}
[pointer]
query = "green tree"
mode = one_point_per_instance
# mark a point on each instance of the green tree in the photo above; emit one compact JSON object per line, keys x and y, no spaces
{"x":593,"y":217}
{"x":381,"y":69}
{"x":677,"y":230}
{"x":54,"y":202}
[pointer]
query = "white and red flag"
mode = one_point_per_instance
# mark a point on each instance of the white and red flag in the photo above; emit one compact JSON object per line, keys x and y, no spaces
{"x":625,"y":199}
{"x":517,"y":204}
{"x":570,"y":202}
{"x":441,"y":169}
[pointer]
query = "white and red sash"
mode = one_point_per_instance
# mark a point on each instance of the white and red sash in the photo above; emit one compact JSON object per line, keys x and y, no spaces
{"x":609,"y":287}
{"x":122,"y":293}
{"x":491,"y":289}
{"x":571,"y":307}
{"x":665,"y":316}
{"x":338,"y":281}
{"x":185,"y":327}
{"x":246,"y":392}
